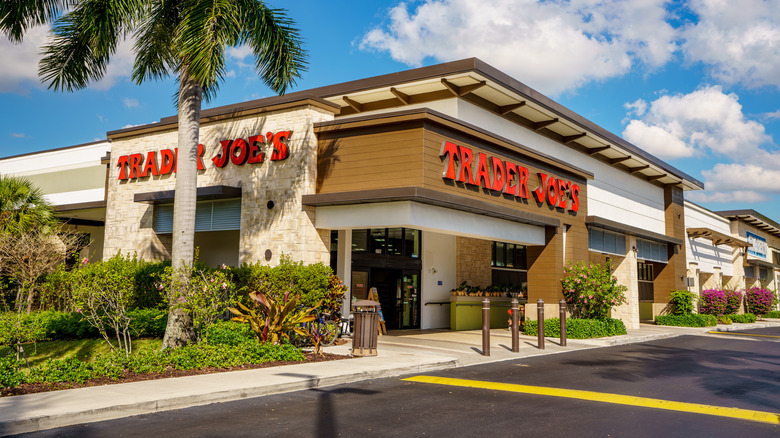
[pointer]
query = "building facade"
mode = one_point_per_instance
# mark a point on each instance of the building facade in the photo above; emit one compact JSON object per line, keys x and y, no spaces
{"x":413,"y":183}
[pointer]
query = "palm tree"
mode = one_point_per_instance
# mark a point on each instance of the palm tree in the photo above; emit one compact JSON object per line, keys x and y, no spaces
{"x":184,"y":38}
{"x":23,"y":207}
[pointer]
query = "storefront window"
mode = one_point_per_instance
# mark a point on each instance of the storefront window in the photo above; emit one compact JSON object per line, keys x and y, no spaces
{"x":652,"y":251}
{"x":359,"y":240}
{"x":387,"y":241}
{"x":509,"y":263}
{"x":395,"y":241}
{"x":606,"y":242}
{"x":377,"y":240}
{"x":411,"y":243}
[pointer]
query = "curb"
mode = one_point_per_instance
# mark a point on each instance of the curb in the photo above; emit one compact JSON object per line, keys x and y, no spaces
{"x":120,"y":410}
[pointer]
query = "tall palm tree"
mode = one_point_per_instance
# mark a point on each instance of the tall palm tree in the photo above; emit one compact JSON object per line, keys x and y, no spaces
{"x":183,"y":38}
{"x":23,"y":207}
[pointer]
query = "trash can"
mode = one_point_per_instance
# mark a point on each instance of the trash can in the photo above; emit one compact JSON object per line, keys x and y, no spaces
{"x":366,"y":328}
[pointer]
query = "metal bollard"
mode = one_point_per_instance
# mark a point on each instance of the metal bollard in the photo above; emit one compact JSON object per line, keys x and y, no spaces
{"x":515,"y":326}
{"x":486,"y":327}
{"x":540,"y":321}
{"x":562,"y":306}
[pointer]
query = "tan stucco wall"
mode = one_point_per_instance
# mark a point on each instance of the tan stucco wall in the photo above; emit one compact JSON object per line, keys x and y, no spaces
{"x":288,"y":226}
{"x":473,"y":261}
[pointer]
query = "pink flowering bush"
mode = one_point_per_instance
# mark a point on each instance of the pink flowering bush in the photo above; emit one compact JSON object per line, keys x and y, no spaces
{"x":713,"y":302}
{"x":591,"y":291}
{"x":759,"y":301}
{"x":733,"y":301}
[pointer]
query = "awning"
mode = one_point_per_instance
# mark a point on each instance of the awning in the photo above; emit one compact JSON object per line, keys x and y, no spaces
{"x":716,"y":237}
{"x":204,"y":193}
{"x":600,"y":222}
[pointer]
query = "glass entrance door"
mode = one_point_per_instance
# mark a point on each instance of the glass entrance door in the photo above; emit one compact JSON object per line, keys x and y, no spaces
{"x":410,"y":299}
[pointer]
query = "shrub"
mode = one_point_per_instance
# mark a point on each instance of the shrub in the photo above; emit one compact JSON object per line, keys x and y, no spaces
{"x":577,"y":328}
{"x":743,"y":317}
{"x":759,"y":300}
{"x":592,"y":291}
{"x":681,"y":302}
{"x":693,"y":320}
{"x":724,"y":319}
{"x":733,"y":301}
{"x":229,"y":333}
{"x":115,"y":364}
{"x":311,"y":284}
{"x":273,"y":320}
{"x":773,"y":314}
{"x":10,"y":375}
{"x":148,"y":323}
{"x":713,"y":302}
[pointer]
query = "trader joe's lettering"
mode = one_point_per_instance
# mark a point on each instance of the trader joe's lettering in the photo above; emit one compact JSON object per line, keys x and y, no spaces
{"x":493,"y":173}
{"x":238,"y":152}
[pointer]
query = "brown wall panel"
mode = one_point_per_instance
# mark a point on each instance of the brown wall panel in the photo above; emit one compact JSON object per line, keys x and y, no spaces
{"x":545,"y":269}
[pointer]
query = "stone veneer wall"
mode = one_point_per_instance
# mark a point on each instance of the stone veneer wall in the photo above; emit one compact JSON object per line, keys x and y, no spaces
{"x":286,"y":228}
{"x":625,"y":269}
{"x":473,"y":261}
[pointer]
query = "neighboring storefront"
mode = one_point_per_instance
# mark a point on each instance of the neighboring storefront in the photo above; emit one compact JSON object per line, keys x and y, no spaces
{"x":758,"y":264}
{"x":73,"y":180}
{"x":409,"y":185}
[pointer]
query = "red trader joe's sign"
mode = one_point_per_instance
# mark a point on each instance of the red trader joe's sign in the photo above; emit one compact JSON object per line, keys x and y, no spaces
{"x":462,"y":165}
{"x":238,"y":152}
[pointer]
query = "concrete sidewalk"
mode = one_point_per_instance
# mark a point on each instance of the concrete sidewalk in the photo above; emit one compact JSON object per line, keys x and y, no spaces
{"x":400,"y":353}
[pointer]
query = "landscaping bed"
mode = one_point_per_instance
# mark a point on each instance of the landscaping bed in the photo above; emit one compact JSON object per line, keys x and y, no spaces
{"x":31,"y":388}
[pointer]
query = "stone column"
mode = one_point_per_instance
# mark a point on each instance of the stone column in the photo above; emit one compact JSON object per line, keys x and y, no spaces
{"x":344,"y":266}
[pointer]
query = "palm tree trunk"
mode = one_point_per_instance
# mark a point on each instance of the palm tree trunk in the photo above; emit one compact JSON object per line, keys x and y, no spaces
{"x":180,"y":330}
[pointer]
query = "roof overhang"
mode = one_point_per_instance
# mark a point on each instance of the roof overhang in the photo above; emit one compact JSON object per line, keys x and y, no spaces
{"x":753,"y":218}
{"x":479,"y":83}
{"x":204,"y":193}
{"x":600,"y":222}
{"x":429,"y":197}
{"x":716,"y":237}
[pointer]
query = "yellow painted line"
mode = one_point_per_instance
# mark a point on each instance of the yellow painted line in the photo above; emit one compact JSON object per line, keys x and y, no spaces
{"x":742,"y":414}
{"x":742,"y":334}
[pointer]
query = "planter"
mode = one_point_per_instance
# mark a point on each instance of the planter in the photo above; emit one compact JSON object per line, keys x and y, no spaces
{"x":466,"y":312}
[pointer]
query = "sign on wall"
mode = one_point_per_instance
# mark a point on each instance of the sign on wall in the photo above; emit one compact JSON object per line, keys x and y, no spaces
{"x":759,"y":248}
{"x":238,"y":152}
{"x":462,"y":165}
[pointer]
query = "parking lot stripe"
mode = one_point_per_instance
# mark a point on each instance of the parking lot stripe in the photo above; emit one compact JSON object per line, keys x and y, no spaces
{"x":741,"y":334}
{"x":742,"y":414}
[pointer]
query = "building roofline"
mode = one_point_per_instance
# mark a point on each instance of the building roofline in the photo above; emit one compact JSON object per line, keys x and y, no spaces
{"x":45,"y":151}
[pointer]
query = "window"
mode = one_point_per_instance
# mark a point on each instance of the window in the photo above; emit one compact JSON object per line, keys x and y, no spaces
{"x":763,"y":273}
{"x":387,"y":241}
{"x":606,"y":241}
{"x":218,"y":215}
{"x":749,"y":272}
{"x":652,"y":251}
{"x":508,"y":255}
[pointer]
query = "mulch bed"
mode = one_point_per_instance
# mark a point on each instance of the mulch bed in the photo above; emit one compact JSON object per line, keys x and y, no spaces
{"x":31,"y":388}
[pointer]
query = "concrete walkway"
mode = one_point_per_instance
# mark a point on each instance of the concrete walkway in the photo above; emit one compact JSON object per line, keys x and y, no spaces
{"x":400,"y":353}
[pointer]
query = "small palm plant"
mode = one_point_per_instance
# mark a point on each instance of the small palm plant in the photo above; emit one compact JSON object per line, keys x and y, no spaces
{"x":273,"y":320}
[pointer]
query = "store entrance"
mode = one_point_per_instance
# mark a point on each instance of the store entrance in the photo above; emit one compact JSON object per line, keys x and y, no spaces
{"x":398,"y":291}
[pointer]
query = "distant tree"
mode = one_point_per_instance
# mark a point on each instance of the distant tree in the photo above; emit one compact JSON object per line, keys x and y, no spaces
{"x":183,"y":38}
{"x":23,"y":207}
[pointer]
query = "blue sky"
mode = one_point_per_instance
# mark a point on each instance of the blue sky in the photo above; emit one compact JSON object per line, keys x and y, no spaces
{"x":696,"y":83}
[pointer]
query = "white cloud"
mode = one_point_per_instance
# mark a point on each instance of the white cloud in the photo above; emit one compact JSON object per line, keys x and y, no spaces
{"x":130,"y":102}
{"x":740,"y":196}
{"x":739,"y":40}
{"x":706,"y":120}
{"x":736,"y":176}
{"x":240,"y":52}
{"x":657,"y":140}
{"x":19,"y":69}
{"x":772,"y":115}
{"x":553,"y":45}
{"x":18,"y":135}
{"x":638,"y":107}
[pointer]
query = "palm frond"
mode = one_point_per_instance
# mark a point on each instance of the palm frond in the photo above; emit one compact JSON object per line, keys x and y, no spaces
{"x":17,"y":16}
{"x":276,"y":44}
{"x":156,"y":55}
{"x":84,"y":40}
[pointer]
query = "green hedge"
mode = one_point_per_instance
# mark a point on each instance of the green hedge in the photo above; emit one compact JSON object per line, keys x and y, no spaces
{"x":773,"y":314}
{"x":693,"y":320}
{"x":743,"y":318}
{"x":114,"y":365}
{"x":229,"y":333}
{"x":577,"y":328}
{"x":52,"y":325}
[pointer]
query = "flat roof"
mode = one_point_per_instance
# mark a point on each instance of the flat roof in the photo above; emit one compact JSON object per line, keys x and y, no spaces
{"x":754,"y":218}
